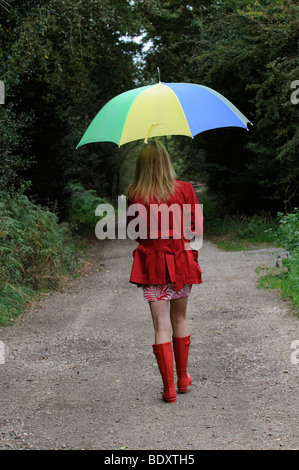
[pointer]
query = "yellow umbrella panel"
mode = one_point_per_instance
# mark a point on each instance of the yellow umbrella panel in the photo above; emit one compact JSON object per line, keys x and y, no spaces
{"x":162,"y":109}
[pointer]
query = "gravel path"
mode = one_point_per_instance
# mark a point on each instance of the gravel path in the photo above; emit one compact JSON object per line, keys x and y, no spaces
{"x":79,"y":371}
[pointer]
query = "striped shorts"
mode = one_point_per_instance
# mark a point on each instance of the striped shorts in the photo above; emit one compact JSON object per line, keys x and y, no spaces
{"x":154,"y":292}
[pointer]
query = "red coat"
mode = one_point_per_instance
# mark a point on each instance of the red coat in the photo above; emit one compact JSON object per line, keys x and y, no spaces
{"x":161,"y":260}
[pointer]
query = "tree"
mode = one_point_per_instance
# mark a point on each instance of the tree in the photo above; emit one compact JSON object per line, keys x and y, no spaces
{"x":61,"y":61}
{"x":248,"y":53}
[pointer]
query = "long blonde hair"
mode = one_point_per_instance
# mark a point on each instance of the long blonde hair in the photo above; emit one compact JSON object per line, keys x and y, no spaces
{"x":154,"y":174}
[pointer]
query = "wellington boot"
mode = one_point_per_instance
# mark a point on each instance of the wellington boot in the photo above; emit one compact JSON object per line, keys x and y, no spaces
{"x":164,"y":356}
{"x":181,"y":353}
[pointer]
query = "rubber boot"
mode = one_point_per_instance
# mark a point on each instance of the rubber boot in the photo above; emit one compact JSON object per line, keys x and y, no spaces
{"x":164,"y":356}
{"x":181,"y":353}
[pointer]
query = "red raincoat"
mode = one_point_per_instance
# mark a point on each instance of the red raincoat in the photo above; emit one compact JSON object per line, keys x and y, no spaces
{"x":159,"y":260}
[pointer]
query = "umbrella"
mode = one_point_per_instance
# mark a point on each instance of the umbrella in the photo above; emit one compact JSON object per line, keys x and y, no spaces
{"x":162,"y":109}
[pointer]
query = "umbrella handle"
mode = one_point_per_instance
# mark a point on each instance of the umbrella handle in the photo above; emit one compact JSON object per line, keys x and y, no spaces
{"x":148,"y":132}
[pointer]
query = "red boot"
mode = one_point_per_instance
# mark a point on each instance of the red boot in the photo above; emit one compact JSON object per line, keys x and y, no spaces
{"x":181,"y":352}
{"x":164,"y":356}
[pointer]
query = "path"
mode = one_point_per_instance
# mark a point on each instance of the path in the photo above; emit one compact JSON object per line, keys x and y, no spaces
{"x":79,"y":370}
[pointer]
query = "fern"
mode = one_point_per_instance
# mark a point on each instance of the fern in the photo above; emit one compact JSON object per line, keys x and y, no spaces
{"x":35,"y":252}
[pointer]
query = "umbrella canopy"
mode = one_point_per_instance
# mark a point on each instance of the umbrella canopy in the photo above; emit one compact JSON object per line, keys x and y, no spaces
{"x":162,"y":109}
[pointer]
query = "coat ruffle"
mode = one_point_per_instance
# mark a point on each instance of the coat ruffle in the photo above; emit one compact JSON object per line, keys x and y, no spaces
{"x":156,"y":264}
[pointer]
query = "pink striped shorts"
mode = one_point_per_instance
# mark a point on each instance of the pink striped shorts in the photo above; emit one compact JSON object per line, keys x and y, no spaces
{"x":154,"y":292}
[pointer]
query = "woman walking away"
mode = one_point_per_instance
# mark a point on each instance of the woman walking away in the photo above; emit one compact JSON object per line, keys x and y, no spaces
{"x":164,"y":263}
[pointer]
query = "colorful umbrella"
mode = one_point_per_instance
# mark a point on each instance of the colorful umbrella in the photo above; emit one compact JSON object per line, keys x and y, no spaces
{"x":162,"y":109}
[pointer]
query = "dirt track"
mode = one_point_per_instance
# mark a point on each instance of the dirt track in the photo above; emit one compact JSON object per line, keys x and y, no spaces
{"x":79,"y":370}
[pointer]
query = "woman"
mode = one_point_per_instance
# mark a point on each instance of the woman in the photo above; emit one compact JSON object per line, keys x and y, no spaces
{"x":164,"y":263}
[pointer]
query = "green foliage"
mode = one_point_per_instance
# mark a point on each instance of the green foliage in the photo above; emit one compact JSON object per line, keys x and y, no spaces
{"x":286,"y":277}
{"x":249,"y":53}
{"x":234,"y":232}
{"x":284,"y":280}
{"x":81,"y":205}
{"x":291,"y":288}
{"x":287,"y":234}
{"x":13,"y":147}
{"x":61,"y":62}
{"x":241,"y":232}
{"x":213,"y":211}
{"x":36,"y":252}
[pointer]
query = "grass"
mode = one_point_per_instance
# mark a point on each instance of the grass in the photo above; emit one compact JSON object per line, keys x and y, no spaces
{"x":234,"y":232}
{"x":16,"y":297}
{"x":233,"y":244}
{"x":283,"y":279}
{"x":239,"y":232}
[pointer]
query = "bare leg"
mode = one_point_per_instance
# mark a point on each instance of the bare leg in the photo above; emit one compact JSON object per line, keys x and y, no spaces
{"x":181,"y":341}
{"x":161,"y":320}
{"x":178,"y":311}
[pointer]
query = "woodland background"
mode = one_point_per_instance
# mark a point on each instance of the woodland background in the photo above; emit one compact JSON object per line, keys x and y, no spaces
{"x":62,"y":60}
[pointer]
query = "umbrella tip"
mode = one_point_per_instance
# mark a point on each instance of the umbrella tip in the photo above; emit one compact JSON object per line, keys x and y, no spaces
{"x":159,"y":74}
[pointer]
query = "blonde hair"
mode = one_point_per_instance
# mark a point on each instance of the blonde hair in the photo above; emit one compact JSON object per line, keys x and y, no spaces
{"x":154,"y":174}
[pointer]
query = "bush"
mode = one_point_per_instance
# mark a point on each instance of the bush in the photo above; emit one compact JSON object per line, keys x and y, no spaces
{"x":287,"y":279}
{"x":35,"y":252}
{"x":287,"y":234}
{"x":80,"y":206}
{"x":287,"y":237}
